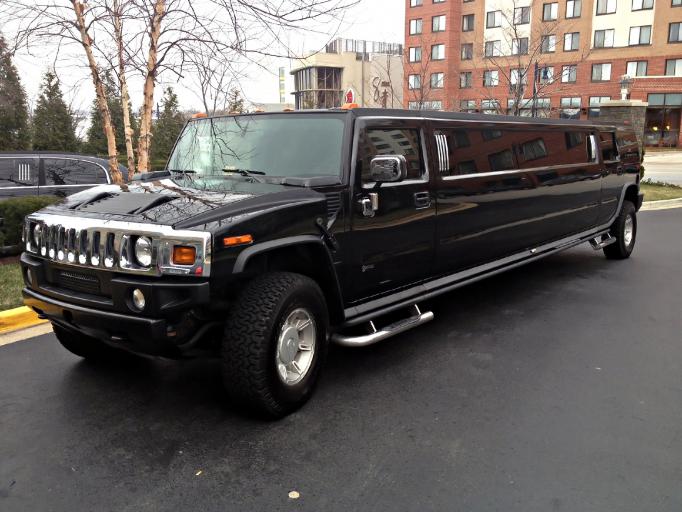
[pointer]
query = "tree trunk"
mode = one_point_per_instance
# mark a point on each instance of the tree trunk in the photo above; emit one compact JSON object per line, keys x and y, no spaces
{"x":144,"y":142}
{"x":125,"y":97}
{"x":79,"y":9}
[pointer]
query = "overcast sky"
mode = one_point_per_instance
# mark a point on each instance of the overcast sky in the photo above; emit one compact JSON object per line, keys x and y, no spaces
{"x":375,"y":20}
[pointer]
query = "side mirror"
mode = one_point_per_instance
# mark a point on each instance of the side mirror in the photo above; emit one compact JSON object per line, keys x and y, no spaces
{"x":388,"y":169}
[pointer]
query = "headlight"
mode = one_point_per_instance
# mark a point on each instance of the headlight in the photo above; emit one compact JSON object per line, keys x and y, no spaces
{"x":143,"y":251}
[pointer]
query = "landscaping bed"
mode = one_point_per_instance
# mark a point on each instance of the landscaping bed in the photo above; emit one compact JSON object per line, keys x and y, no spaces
{"x":11,"y":284}
{"x":658,"y":191}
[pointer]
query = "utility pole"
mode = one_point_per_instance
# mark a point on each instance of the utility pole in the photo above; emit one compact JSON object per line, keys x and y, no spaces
{"x":534,"y":107}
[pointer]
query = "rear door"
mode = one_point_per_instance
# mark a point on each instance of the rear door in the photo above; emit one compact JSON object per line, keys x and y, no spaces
{"x":18,"y":176}
{"x":66,"y":176}
{"x":613,"y":181}
{"x":394,"y":245}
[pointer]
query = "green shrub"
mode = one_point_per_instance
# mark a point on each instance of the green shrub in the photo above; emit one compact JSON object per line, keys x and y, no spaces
{"x":13,"y":211}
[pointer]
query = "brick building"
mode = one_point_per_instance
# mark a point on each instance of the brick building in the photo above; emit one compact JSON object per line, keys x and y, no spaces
{"x":485,"y":55}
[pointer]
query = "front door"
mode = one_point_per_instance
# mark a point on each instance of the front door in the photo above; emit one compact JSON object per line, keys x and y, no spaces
{"x":393,"y":239}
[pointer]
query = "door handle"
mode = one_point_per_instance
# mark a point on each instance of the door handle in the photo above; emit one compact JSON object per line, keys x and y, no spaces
{"x":422,"y":200}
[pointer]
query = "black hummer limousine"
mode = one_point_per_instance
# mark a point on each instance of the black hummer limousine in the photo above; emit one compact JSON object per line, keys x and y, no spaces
{"x":271,"y":234}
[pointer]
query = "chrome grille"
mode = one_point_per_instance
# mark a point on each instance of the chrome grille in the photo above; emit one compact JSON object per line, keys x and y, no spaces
{"x":93,"y":243}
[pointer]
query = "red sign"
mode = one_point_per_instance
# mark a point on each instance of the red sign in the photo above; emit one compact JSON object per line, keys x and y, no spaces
{"x":350,"y":96}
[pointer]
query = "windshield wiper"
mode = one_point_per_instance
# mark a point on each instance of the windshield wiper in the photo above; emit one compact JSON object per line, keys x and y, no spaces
{"x":249,"y":173}
{"x":182,"y":171}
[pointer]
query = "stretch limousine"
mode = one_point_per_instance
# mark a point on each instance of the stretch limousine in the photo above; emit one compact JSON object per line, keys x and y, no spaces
{"x":271,"y":234}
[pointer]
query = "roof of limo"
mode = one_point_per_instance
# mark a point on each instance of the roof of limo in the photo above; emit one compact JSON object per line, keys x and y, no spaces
{"x":464,"y":116}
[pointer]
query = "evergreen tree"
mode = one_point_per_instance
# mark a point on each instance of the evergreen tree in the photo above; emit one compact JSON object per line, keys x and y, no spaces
{"x":53,"y":124}
{"x":167,"y":127}
{"x":96,"y":139}
{"x":235,"y":102}
{"x":15,"y":133}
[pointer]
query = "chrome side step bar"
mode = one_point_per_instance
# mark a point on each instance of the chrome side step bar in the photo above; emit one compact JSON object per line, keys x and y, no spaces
{"x":601,"y":242}
{"x":416,"y":318}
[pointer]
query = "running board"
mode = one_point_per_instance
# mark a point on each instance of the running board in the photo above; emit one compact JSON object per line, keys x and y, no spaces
{"x":376,"y":335}
{"x":599,"y":243}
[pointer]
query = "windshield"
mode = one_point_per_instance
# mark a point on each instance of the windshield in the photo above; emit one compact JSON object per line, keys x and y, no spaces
{"x":281,"y":145}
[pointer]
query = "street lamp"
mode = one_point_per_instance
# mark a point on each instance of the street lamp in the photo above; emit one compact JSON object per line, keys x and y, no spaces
{"x":626,"y":82}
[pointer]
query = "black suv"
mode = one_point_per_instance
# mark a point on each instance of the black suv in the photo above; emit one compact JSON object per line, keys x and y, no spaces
{"x":271,"y":234}
{"x":48,"y":173}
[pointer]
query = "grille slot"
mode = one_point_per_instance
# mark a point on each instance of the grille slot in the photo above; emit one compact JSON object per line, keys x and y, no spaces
{"x":333,"y":204}
{"x":79,"y":282}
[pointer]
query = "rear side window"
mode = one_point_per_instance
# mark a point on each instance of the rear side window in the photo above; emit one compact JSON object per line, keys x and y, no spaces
{"x":628,"y":145}
{"x":72,"y":172}
{"x":405,"y":142}
{"x":18,"y":172}
{"x":492,"y":150}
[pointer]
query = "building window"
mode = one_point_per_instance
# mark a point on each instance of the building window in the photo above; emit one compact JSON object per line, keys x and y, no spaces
{"x":520,"y":46}
{"x":438,"y":1}
{"x":640,"y":35}
{"x":467,"y":105}
{"x":493,"y":19}
{"x":438,"y":52}
{"x":437,"y":80}
{"x":606,"y":6}
{"x":415,"y":27}
{"x":570,"y":108}
{"x":601,"y":72}
{"x":490,"y":107}
{"x":674,"y":33}
{"x":465,"y":79}
{"x":521,"y":15}
{"x":594,"y":109}
{"x":416,"y":3}
{"x":317,"y":87}
{"x":546,"y":75}
{"x":604,"y":38}
{"x":518,"y":76}
{"x":677,"y":3}
{"x":425,"y":105}
{"x":491,"y":78}
{"x":438,"y":23}
{"x":673,"y":67}
{"x":569,"y":73}
{"x":548,"y":44}
{"x":636,"y":68}
{"x":415,"y":54}
{"x":414,"y":82}
{"x":573,"y":8}
{"x":467,"y":23}
{"x":572,"y":42}
{"x":638,"y":5}
{"x":493,"y":48}
{"x":550,"y":12}
{"x":467,"y":51}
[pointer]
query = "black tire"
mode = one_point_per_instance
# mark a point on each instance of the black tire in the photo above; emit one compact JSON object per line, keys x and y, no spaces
{"x":620,"y":249}
{"x":249,"y":347}
{"x":90,"y":349}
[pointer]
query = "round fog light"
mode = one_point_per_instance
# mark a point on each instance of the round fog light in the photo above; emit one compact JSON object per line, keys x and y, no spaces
{"x":138,"y":299}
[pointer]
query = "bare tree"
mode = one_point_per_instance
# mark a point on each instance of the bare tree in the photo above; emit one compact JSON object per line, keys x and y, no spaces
{"x":418,"y":68}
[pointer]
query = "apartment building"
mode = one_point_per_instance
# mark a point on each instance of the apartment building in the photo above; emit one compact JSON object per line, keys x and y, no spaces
{"x":368,"y":73}
{"x":549,"y":58}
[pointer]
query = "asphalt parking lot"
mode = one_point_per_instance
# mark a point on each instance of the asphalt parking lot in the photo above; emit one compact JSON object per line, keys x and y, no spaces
{"x":555,"y":387}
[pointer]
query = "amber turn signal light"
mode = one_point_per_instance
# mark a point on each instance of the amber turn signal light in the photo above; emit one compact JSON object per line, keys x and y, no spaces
{"x":184,"y":255}
{"x":231,"y":241}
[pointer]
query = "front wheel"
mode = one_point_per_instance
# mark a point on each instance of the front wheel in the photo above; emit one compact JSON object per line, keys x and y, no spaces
{"x":275,"y":342}
{"x":624,"y":230}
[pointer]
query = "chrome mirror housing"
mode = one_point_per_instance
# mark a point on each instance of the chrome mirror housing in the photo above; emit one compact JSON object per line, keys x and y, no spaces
{"x":388,"y":168}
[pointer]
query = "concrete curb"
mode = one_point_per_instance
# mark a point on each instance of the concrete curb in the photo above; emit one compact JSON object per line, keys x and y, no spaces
{"x":665,"y":204}
{"x":18,"y":318}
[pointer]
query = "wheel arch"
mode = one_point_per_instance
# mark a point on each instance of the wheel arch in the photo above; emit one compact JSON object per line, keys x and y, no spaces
{"x":631,"y":194}
{"x":306,"y":255}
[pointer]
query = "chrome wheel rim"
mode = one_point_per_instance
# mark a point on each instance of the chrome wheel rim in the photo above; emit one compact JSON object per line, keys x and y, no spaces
{"x":295,"y":347}
{"x":628,"y":231}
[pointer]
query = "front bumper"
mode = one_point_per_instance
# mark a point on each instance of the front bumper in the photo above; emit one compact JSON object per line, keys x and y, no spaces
{"x":169,"y":319}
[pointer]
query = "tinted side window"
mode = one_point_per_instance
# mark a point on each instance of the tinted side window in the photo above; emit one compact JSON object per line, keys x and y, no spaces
{"x":72,"y":172}
{"x":628,"y":146}
{"x":607,"y":142}
{"x":18,"y":172}
{"x":375,"y":142}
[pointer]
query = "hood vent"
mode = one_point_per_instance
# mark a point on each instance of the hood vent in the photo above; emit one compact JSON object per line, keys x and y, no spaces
{"x":333,"y":204}
{"x":124,"y":204}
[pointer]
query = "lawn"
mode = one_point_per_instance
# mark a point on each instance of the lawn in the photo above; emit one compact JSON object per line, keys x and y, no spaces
{"x":11,"y":284}
{"x":656,"y":191}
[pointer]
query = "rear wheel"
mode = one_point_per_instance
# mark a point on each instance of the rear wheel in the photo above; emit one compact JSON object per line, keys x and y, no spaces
{"x":87,"y":347}
{"x":624,"y":230}
{"x":275,"y":343}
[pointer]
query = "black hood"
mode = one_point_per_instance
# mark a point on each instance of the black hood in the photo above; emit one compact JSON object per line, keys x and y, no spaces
{"x":169,"y":203}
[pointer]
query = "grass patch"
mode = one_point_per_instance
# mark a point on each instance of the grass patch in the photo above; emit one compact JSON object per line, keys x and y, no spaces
{"x":11,"y":284}
{"x":657,"y":191}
